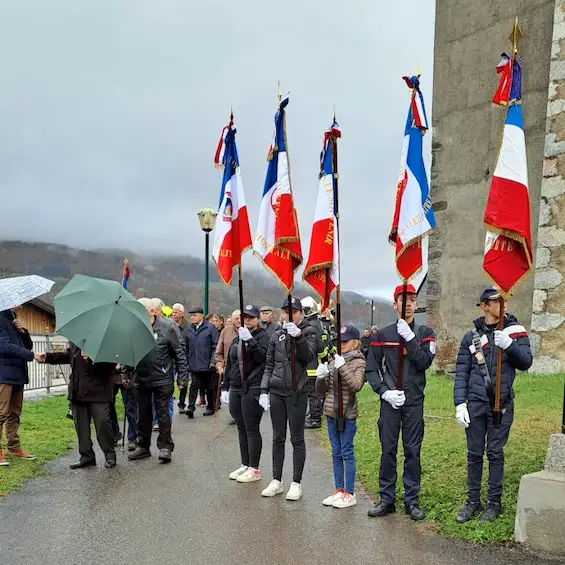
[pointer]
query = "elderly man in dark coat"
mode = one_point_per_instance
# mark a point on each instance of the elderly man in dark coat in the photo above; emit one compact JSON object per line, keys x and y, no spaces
{"x":91,"y":391}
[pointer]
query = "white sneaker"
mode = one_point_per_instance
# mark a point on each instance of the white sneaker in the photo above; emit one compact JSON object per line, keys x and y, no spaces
{"x":275,"y":487}
{"x":332,"y":498}
{"x":345,"y":501}
{"x":250,"y":476}
{"x":238,"y":472}
{"x":294,"y":492}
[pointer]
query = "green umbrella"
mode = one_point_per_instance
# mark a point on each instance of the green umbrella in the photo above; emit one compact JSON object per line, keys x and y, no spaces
{"x":104,"y":320}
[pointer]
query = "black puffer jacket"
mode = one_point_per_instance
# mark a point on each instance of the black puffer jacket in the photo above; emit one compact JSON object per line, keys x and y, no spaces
{"x":255,"y":356}
{"x":469,"y":383}
{"x":382,"y":361}
{"x":277,"y":378}
{"x":157,"y":367}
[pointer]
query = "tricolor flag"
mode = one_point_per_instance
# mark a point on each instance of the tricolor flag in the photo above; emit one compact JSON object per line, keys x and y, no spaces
{"x":508,"y":245}
{"x":413,"y":216}
{"x":232,"y":236}
{"x":322,"y":268}
{"x":125,"y":273}
{"x":277,"y":242}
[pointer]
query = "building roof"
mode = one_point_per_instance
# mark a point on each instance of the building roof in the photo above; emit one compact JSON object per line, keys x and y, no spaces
{"x":42,"y":305}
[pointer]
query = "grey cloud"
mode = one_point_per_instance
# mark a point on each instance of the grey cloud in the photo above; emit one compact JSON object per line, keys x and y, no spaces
{"x":110,"y":114}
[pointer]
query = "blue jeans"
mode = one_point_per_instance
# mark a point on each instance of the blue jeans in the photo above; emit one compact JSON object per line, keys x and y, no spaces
{"x":343,"y":454}
{"x":171,"y":409}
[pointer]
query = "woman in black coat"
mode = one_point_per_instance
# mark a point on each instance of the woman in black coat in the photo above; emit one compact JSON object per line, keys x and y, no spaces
{"x":242,"y":394}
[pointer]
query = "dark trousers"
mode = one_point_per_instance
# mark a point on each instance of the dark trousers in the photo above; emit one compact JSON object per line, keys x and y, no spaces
{"x":411,"y":419}
{"x":480,"y":433}
{"x":245,"y":410}
{"x":182,"y":397}
{"x":205,"y":380}
{"x":284,"y":412}
{"x":145,"y":396}
{"x":315,"y":403}
{"x":83,"y":414}
{"x":130,"y":406}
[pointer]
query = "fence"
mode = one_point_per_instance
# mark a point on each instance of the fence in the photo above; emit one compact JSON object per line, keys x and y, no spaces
{"x":43,"y":376}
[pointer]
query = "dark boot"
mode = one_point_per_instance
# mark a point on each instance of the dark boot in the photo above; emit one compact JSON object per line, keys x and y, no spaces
{"x":110,"y":463}
{"x":190,"y":412}
{"x":312,"y":424}
{"x":232,"y":422}
{"x":165,"y":455}
{"x":131,"y":445}
{"x":469,"y":511}
{"x":491,"y":513}
{"x":208,"y":412}
{"x":139,"y":453}
{"x":381,"y":509}
{"x":415,"y":512}
{"x":82,"y":463}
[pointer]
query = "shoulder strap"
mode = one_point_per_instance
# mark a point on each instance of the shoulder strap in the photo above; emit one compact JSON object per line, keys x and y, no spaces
{"x":479,"y":356}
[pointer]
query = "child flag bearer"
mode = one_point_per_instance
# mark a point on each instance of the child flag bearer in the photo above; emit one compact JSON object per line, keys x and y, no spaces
{"x":350,"y":367}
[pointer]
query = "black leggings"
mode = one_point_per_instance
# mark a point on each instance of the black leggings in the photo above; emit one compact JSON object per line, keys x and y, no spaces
{"x":284,"y":410}
{"x":247,"y":413}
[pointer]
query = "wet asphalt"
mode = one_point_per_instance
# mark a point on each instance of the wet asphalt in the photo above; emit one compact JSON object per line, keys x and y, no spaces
{"x":189,"y":512}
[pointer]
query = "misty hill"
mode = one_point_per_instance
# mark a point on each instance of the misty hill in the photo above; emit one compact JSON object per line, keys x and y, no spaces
{"x":173,"y":279}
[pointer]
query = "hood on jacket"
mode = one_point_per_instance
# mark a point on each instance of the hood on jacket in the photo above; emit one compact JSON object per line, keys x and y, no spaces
{"x":509,"y":320}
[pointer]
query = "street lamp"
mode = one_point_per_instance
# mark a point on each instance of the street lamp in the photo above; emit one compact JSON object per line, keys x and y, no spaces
{"x":207,"y":219}
{"x":372,"y":304}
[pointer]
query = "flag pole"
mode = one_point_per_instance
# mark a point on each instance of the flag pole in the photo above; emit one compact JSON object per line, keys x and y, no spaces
{"x":333,"y":141}
{"x":496,"y":413}
{"x":400,"y":366}
{"x":243,"y":346}
{"x":291,"y":289}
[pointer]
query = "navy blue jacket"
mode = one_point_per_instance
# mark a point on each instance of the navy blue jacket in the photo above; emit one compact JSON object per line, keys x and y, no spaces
{"x":15,"y":352}
{"x":469,"y":383}
{"x":200,"y":346}
{"x":382,"y":361}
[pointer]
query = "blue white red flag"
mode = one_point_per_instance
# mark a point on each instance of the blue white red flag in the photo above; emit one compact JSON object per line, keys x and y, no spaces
{"x":125,"y":273}
{"x":277,"y":242}
{"x":232,"y":236}
{"x":413,"y":216}
{"x":508,"y":246}
{"x":322,"y":268}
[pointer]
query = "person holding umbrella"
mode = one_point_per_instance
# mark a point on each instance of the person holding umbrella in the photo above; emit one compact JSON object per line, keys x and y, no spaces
{"x":153,"y":377}
{"x":15,"y":353}
{"x":91,"y":391}
{"x":241,"y":392}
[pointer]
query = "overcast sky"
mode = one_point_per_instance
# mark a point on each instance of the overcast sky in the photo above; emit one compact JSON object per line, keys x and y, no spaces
{"x":110,"y":112}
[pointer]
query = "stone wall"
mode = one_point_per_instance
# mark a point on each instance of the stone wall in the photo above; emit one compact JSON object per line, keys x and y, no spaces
{"x":548,"y":309}
{"x":466,"y":140}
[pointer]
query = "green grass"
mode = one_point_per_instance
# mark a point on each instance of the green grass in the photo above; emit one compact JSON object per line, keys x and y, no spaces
{"x":46,"y":433}
{"x":537,"y":415}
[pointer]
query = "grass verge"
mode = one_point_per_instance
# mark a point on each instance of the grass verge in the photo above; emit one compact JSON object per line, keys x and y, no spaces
{"x":46,"y":433}
{"x":538,"y":408}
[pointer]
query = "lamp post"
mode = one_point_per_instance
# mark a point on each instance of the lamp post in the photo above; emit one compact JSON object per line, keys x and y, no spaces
{"x":372,"y":304}
{"x":207,"y":219}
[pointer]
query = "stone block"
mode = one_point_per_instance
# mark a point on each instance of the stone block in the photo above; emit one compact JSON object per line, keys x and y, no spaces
{"x":555,"y":107}
{"x":555,"y":459}
{"x":550,"y":236}
{"x":544,"y":213}
{"x":544,"y":365}
{"x":547,"y":278}
{"x":535,"y":342}
{"x":550,"y":168}
{"x":543,"y":256}
{"x":552,"y":146}
{"x":540,"y":513}
{"x":557,"y":70}
{"x":546,"y":321}
{"x":558,"y":30}
{"x":540,"y":296}
{"x":552,"y":187}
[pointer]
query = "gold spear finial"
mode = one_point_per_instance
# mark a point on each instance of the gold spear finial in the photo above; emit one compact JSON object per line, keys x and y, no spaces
{"x":516,"y":36}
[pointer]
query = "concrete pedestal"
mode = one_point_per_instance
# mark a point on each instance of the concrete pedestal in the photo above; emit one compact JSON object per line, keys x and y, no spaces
{"x":540,"y":515}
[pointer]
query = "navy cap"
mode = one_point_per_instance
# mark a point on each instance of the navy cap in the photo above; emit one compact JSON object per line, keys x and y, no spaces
{"x":294,"y":303}
{"x":349,"y":332}
{"x":251,"y":311}
{"x":489,"y":293}
{"x":196,"y":311}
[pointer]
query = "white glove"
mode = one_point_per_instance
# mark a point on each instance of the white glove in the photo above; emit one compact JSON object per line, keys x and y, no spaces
{"x":322,"y":371}
{"x":395,"y":398}
{"x":339,"y":361}
{"x":264,"y":401}
{"x":293,"y":330}
{"x":404,"y":330}
{"x":244,"y":334}
{"x":502,"y":340}
{"x":462,"y":415}
{"x":225,"y":397}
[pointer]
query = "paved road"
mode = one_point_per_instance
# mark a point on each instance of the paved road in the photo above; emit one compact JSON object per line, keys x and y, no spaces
{"x":189,"y":512}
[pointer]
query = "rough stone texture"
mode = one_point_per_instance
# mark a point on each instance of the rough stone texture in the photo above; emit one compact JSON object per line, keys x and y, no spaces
{"x":467,"y":131}
{"x":555,"y":460}
{"x":540,"y":514}
{"x":543,"y":365}
{"x":535,"y":343}
{"x":549,"y":309}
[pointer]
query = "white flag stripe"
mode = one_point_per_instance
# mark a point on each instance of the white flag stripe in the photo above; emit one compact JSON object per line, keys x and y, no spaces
{"x":511,"y":163}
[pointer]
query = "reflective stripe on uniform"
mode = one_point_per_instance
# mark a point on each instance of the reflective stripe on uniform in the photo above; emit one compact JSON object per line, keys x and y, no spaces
{"x":311,"y":372}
